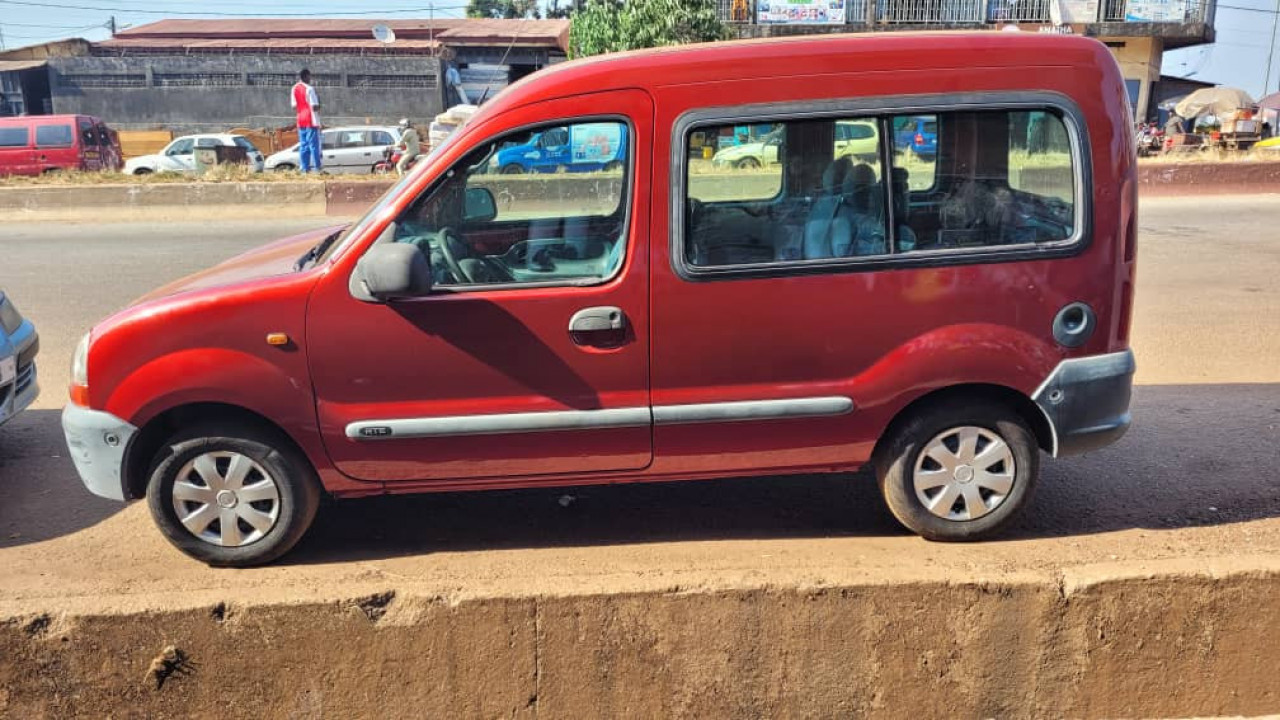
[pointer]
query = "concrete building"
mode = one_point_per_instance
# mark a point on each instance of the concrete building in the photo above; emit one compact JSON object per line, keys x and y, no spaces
{"x":1137,"y":31}
{"x":205,"y":75}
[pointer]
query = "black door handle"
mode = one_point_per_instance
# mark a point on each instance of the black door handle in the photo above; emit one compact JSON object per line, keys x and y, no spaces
{"x":604,"y":326}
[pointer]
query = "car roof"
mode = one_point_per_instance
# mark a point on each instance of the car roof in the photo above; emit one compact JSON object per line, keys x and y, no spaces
{"x":803,"y":55}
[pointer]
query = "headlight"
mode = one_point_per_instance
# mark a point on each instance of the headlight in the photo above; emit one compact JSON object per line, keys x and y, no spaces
{"x":80,"y":363}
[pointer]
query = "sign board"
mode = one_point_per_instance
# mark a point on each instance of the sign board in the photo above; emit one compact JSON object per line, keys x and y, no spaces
{"x":801,"y":12}
{"x":1155,"y":10}
{"x":596,"y":142}
{"x":1079,"y":12}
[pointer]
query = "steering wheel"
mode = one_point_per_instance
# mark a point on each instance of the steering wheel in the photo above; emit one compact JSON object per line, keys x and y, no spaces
{"x":445,"y":236}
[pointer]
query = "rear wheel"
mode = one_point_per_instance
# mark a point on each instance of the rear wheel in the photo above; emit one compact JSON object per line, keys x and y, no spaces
{"x":959,"y":470}
{"x":142,"y":171}
{"x":512,"y":169}
{"x":233,"y":497}
{"x":747,"y":163}
{"x":285,"y":167}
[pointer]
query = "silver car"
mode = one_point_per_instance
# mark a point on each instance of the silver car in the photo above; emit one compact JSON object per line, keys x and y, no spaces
{"x":350,"y":150}
{"x":18,"y":347}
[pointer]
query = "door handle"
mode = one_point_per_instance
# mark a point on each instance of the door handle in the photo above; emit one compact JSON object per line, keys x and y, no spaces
{"x":604,"y":326}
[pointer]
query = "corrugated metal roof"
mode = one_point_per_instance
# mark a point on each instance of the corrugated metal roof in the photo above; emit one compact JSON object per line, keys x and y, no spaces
{"x":287,"y":44}
{"x":15,"y":65}
{"x":542,"y":33}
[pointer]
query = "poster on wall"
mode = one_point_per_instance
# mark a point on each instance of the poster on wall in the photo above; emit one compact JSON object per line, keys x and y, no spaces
{"x":1155,"y":11}
{"x":800,"y":12}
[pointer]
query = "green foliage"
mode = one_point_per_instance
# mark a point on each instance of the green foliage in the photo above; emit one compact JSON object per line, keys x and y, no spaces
{"x":604,"y":26}
{"x":502,"y":9}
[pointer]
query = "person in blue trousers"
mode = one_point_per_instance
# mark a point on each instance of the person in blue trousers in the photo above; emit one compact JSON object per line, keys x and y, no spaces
{"x":307,"y":105}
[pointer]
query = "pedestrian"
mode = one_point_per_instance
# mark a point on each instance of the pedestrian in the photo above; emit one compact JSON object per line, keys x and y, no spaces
{"x":305,"y":103}
{"x":1174,"y":125}
{"x":410,"y":145}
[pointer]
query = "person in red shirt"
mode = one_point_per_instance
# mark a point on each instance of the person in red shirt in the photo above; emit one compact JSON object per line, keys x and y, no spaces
{"x":306,"y":104}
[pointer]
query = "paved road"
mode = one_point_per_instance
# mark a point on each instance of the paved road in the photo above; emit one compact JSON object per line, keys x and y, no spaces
{"x":1195,"y":478}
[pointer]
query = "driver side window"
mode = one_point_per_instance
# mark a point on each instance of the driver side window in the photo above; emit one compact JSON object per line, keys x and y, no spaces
{"x":182,"y":147}
{"x":499,"y":217}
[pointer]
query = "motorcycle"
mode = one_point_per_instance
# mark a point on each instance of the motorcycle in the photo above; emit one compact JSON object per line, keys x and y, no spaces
{"x":390,"y":158}
{"x":1149,"y":140}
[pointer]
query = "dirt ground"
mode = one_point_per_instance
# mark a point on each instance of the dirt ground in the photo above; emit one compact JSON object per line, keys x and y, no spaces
{"x":1149,"y":561}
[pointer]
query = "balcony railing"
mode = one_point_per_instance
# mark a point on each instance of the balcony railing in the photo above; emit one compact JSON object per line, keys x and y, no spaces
{"x":987,"y":12}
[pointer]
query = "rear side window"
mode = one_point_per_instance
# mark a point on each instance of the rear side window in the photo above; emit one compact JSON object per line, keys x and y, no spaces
{"x":382,"y":137}
{"x":13,"y":137}
{"x":54,"y":136}
{"x":244,"y":143}
{"x":955,"y":180}
{"x":88,"y":136}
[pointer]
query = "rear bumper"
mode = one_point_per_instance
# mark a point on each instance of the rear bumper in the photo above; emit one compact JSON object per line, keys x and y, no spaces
{"x":97,"y":441}
{"x":1086,"y":401}
{"x":22,"y":390}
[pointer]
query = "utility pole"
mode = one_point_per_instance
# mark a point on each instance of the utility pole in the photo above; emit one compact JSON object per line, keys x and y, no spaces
{"x":431,"y":26}
{"x":1,"y":38}
{"x":111,"y":25}
{"x":1271,"y":50}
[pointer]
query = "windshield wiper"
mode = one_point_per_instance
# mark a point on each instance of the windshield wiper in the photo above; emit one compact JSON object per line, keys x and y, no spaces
{"x":315,"y":252}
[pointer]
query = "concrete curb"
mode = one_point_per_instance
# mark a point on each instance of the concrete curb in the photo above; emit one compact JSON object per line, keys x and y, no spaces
{"x":1165,"y":639}
{"x":176,"y":201}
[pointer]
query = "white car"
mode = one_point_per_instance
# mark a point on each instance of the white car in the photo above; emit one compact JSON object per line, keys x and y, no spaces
{"x":179,"y":155}
{"x":352,"y":150}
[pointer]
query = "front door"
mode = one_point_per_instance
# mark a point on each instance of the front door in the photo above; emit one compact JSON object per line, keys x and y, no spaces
{"x":531,"y":354}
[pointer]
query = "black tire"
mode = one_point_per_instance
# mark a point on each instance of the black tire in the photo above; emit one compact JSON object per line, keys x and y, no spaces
{"x":747,"y":163}
{"x":285,"y":167}
{"x":613,"y":166}
{"x":512,"y":169}
{"x":896,"y":465}
{"x":142,"y":171}
{"x":298,"y":491}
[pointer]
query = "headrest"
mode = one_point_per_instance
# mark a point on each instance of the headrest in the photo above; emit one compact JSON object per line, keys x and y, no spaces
{"x":834,"y":177}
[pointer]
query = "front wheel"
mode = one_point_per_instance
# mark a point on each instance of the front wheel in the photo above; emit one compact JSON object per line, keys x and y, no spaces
{"x":959,"y":470}
{"x":747,"y":163}
{"x":233,"y":498}
{"x":142,"y":171}
{"x":512,"y":169}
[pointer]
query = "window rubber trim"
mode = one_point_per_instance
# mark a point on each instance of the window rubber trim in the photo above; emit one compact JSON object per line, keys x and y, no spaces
{"x":876,"y":107}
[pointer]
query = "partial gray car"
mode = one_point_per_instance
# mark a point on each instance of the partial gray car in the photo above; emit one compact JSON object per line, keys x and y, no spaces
{"x":18,"y":347}
{"x":347,"y":150}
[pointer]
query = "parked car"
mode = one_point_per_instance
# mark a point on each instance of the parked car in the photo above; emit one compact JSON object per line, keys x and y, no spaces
{"x":36,"y":144}
{"x":356,"y":149}
{"x":179,"y":155}
{"x":19,"y":345}
{"x":917,"y":135}
{"x":471,"y":332}
{"x":587,"y":147}
{"x":749,"y":155}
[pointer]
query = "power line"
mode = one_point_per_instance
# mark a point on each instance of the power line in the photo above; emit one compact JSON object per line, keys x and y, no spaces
{"x":6,"y":23}
{"x":221,"y":14}
{"x":1249,"y":9}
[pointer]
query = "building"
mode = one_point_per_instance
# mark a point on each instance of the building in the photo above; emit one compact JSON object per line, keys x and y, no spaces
{"x":204,"y":75}
{"x":1137,"y":31}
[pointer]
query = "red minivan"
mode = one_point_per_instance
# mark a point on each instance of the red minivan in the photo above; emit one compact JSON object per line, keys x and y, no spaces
{"x":36,"y":144}
{"x":941,"y":318}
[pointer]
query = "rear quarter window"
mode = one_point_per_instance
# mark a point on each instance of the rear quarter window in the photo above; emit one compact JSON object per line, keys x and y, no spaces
{"x":13,"y":137}
{"x":244,"y":143}
{"x":54,"y":136}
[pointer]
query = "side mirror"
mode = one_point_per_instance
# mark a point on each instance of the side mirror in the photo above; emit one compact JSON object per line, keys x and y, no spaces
{"x":479,"y":205}
{"x":391,"y":271}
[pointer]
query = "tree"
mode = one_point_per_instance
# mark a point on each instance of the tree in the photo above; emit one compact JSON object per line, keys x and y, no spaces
{"x":603,"y":26}
{"x":502,"y":9}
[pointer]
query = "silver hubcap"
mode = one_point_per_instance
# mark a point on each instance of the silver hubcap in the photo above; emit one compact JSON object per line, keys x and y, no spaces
{"x":225,"y":498}
{"x":964,"y":473}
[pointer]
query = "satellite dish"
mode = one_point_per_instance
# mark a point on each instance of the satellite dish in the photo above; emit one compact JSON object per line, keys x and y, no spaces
{"x":384,"y":34}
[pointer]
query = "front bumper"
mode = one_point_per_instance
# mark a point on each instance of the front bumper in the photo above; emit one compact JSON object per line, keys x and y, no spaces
{"x":1086,"y":401}
{"x":97,"y":441}
{"x":18,"y":394}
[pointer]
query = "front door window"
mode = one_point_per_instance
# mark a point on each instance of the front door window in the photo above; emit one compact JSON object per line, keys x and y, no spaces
{"x":484,"y":226}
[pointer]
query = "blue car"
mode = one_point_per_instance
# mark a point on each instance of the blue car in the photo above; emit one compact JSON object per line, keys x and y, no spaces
{"x":589,"y":147}
{"x":18,"y":347}
{"x":918,"y":135}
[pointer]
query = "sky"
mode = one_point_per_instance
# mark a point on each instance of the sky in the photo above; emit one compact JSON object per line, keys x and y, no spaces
{"x":1246,"y":29}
